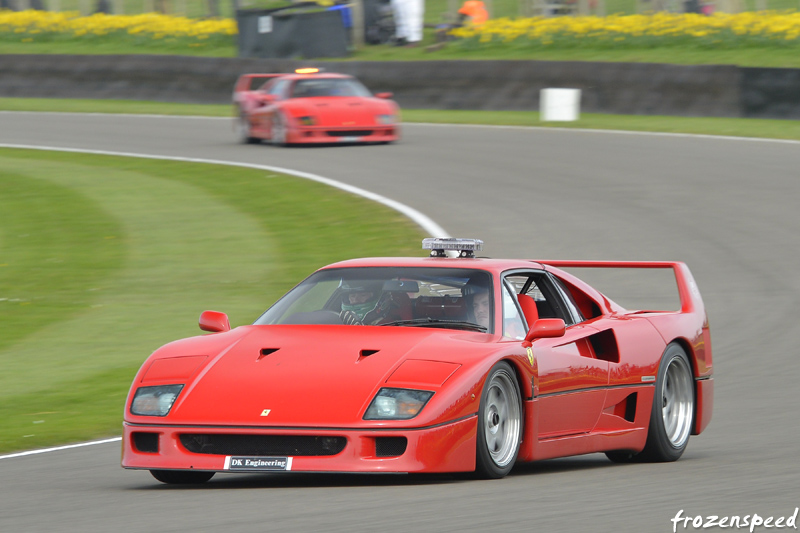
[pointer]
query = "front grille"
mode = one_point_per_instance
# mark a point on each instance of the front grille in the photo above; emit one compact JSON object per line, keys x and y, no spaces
{"x":349,"y":133}
{"x":390,"y":446}
{"x":262,"y":445}
{"x":145,"y":442}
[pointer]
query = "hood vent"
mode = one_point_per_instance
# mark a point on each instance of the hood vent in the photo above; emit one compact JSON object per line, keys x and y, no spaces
{"x":366,"y":353}
{"x":265,"y":352}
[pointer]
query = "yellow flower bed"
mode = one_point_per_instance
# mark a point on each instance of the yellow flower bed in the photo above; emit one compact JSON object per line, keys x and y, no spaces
{"x":654,"y":29}
{"x":30,"y":24}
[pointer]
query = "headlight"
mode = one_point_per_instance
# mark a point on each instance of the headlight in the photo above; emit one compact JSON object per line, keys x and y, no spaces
{"x":155,"y":401}
{"x":397,"y":404}
{"x":307,"y":121}
{"x":384,"y":119}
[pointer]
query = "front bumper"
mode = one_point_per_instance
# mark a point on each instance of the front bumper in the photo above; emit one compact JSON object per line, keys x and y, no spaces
{"x":445,"y":448}
{"x":360,"y":134}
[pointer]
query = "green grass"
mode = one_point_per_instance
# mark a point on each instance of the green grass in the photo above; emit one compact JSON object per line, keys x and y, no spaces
{"x":737,"y":127}
{"x":678,"y":55}
{"x":105,"y":258}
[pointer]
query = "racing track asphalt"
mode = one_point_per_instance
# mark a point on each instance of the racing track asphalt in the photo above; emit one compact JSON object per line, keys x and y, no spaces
{"x":729,"y":208}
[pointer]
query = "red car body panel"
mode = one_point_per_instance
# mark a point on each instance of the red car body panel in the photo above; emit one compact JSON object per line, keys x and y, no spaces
{"x":318,"y":380}
{"x":313,"y":119}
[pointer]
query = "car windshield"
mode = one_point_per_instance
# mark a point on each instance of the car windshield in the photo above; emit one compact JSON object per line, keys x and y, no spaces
{"x":313,"y":87}
{"x":389,"y":296}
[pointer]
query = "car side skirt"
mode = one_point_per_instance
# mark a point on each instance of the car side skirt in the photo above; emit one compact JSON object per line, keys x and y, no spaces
{"x":616,"y":427}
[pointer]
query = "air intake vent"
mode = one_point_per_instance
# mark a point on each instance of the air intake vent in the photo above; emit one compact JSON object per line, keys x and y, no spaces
{"x":630,"y":407}
{"x":263,"y":445}
{"x":390,"y":446}
{"x":145,"y":442}
{"x":366,"y":353}
{"x":351,"y":133}
{"x":266,"y":351}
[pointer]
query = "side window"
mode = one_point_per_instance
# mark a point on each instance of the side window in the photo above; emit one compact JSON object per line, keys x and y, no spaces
{"x":551,"y":301}
{"x":513,"y":324}
{"x":278,"y":88}
{"x":568,"y":300}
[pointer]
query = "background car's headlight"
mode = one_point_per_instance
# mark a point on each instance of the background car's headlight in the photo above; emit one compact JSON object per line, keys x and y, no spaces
{"x":384,"y":119}
{"x":155,"y":401}
{"x":397,"y":404}
{"x":307,"y":121}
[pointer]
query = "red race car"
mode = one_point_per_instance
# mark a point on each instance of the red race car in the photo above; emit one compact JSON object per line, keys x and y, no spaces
{"x":312,"y":107}
{"x":435,"y":364}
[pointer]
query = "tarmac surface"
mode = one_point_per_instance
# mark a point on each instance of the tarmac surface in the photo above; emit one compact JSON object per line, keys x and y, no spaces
{"x":729,"y":208}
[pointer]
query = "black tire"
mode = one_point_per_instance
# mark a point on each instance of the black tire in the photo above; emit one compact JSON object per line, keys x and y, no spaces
{"x":499,"y":423}
{"x":243,"y":130}
{"x":672,"y":416}
{"x":181,"y":477}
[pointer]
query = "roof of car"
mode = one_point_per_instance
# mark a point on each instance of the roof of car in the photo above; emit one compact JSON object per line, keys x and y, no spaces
{"x":492,"y":265}
{"x":318,"y":75}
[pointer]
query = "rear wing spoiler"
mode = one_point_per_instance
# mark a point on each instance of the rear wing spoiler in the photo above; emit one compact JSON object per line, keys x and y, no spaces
{"x":689,"y":294}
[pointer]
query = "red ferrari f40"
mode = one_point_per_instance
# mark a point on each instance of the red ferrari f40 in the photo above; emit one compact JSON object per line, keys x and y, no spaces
{"x":430,"y":364}
{"x":312,"y":107}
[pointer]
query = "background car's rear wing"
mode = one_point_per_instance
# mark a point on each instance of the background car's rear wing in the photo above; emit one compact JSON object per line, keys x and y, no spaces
{"x":248,"y":82}
{"x":689,"y":294}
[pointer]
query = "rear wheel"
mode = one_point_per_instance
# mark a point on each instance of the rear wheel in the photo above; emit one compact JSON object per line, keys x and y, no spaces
{"x":181,"y":477}
{"x":672,"y":416}
{"x":499,"y":423}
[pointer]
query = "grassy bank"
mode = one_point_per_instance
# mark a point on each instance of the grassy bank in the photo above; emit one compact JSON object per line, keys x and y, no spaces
{"x":687,"y":55}
{"x":104,"y":259}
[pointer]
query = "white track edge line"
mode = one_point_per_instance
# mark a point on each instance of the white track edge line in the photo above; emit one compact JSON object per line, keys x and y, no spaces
{"x":58,"y":448}
{"x":425,"y":222}
{"x":495,"y":126}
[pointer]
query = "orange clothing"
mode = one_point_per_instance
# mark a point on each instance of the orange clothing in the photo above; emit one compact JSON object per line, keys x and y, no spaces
{"x":475,"y":10}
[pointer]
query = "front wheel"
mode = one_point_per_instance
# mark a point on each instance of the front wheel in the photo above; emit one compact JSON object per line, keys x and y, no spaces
{"x":243,"y":130}
{"x":181,"y":477}
{"x":499,"y":423}
{"x":279,"y":130}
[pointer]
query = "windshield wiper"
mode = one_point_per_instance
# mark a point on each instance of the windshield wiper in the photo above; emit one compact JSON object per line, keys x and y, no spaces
{"x":437,"y":323}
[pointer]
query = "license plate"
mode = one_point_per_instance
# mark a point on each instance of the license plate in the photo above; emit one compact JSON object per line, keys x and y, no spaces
{"x":236,"y":463}
{"x":349,"y":139}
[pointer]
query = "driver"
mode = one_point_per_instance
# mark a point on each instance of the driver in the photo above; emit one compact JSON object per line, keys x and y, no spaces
{"x":367,"y":303}
{"x":359,"y":301}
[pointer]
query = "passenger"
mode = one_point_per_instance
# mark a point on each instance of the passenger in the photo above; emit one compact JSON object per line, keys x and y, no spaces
{"x":479,"y":303}
{"x":481,"y":308}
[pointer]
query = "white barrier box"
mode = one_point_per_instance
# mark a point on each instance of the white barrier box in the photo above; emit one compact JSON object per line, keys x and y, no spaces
{"x":560,"y":104}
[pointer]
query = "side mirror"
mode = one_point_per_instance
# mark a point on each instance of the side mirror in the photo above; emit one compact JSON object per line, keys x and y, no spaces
{"x":385,"y":96}
{"x":214,"y":321}
{"x":546,"y":328}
